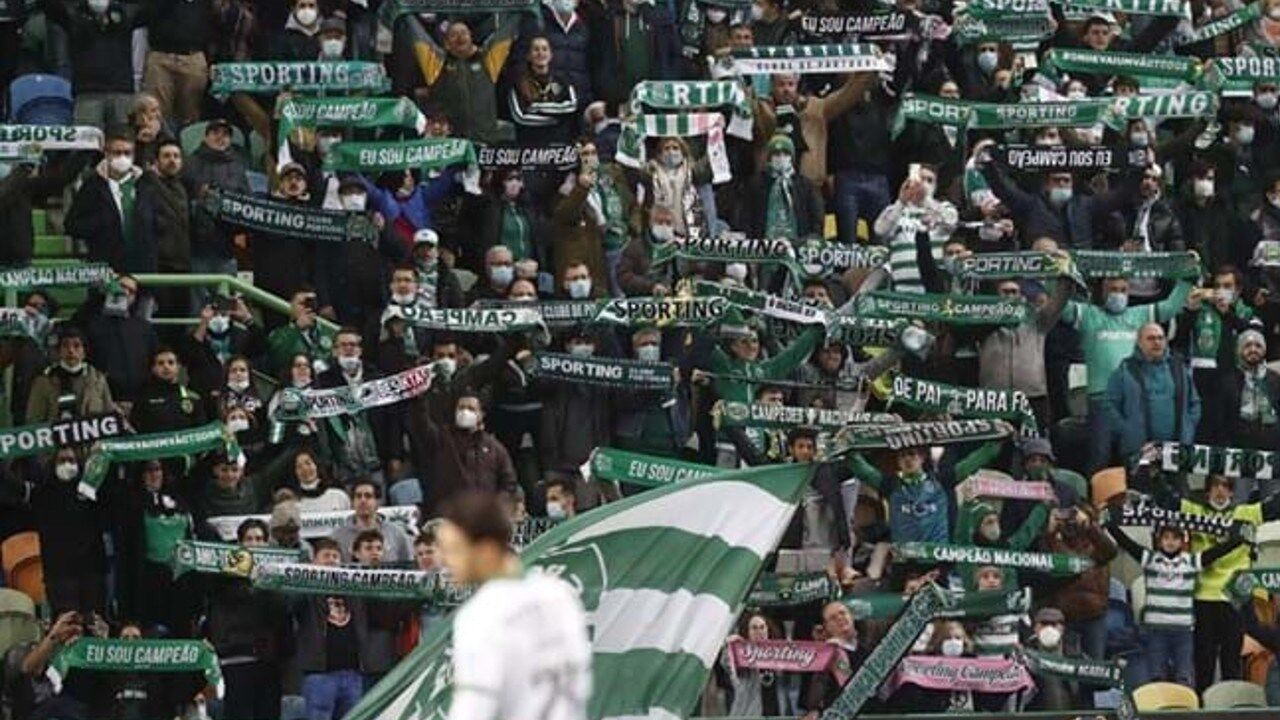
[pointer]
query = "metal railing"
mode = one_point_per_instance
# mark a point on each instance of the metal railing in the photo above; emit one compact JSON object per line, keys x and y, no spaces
{"x":224,"y":284}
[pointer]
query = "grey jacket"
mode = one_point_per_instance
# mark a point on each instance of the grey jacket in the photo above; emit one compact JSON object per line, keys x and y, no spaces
{"x":1014,"y":357}
{"x":396,"y":545}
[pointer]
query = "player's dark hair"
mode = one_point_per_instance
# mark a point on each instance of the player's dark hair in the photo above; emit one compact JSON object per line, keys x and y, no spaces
{"x":480,"y":517}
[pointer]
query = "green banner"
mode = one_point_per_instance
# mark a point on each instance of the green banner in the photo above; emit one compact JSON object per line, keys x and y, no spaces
{"x":947,"y":309}
{"x":1090,"y":672}
{"x":1016,"y":30}
{"x":647,"y":471}
{"x":859,"y":330}
{"x":1240,"y":18}
{"x":1141,"y":65}
{"x":1236,"y":76}
{"x":931,"y":110}
{"x":1051,"y":563}
{"x":1015,"y":266}
{"x":971,"y":604}
{"x":347,"y":113}
{"x":726,"y":249}
{"x":604,"y":371}
{"x":168,"y":444}
{"x":821,"y":258}
{"x":289,"y":219}
{"x":136,"y":656}
{"x":1066,"y":113}
{"x":1190,"y":104}
{"x":269,"y":78}
{"x":214,"y":558}
{"x":1166,"y":8}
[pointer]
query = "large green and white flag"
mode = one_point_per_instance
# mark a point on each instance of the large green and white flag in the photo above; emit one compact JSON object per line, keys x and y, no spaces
{"x":662,"y":575}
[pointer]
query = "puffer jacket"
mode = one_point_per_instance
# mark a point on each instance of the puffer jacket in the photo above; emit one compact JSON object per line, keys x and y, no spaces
{"x":1083,"y":597}
{"x":222,"y":169}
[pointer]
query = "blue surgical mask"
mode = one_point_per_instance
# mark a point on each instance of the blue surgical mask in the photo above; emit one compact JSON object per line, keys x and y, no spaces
{"x":502,"y":275}
{"x":1117,"y":302}
{"x":649,"y":353}
{"x":580,"y":289}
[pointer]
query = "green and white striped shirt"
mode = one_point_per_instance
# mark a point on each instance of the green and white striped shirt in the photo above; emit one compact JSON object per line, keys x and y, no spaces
{"x":1171,"y":583}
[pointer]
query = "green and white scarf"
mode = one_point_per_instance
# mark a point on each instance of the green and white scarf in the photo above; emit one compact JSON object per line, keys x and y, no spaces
{"x":604,"y":372}
{"x":821,"y":258}
{"x":683,"y":95}
{"x":270,"y":78}
{"x":770,"y":306}
{"x":1098,"y":264}
{"x":289,"y":219}
{"x":1240,"y":18}
{"x":475,"y":320}
{"x":877,"y":25}
{"x":379,"y":157}
{"x":1015,"y":266}
{"x":931,"y":110}
{"x":731,"y":413}
{"x":1236,"y":76}
{"x":1061,"y":158}
{"x":773,"y":590}
{"x":919,"y":434}
{"x":991,"y":403}
{"x":1014,"y":29}
{"x":1010,"y":116}
{"x":1081,"y":670}
{"x":1052,"y":563}
{"x":213,"y":558}
{"x":947,"y":309}
{"x":1146,"y":514}
{"x":1245,"y":583}
{"x":529,"y":529}
{"x":1141,"y":65}
{"x":809,"y":59}
{"x":136,"y":656}
{"x":1166,"y":8}
{"x":312,"y":404}
{"x":677,"y":311}
{"x":726,"y":249}
{"x":631,"y":150}
{"x":49,"y":276}
{"x":554,"y":313}
{"x":972,"y":604}
{"x":167,"y":444}
{"x":360,"y":582}
{"x":645,"y":471}
{"x":553,"y":156}
{"x":18,"y":323}
{"x":40,"y":438}
{"x":859,"y":330}
{"x":1190,"y":104}
{"x":346,"y":113}
{"x":25,"y":141}
{"x":321,"y":524}
{"x":1216,"y":460}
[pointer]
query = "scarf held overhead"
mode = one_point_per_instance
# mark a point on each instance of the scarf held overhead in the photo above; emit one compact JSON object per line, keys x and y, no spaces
{"x":31,"y":440}
{"x":985,"y":674}
{"x":1216,"y":460}
{"x":1052,"y":563}
{"x":136,"y":656}
{"x":269,"y":78}
{"x":322,"y":524}
{"x":930,"y":396}
{"x":309,"y":404}
{"x":947,"y":309}
{"x":227,"y":559}
{"x":353,"y":581}
{"x":605,"y":372}
{"x":809,"y":59}
{"x":155,"y":446}
{"x":919,"y":434}
{"x":640,"y":470}
{"x":27,"y":278}
{"x":289,"y":219}
{"x":631,"y":145}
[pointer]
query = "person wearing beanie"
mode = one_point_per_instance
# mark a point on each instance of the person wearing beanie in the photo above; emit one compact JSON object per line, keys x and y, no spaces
{"x":781,"y":203}
{"x":1244,"y":408}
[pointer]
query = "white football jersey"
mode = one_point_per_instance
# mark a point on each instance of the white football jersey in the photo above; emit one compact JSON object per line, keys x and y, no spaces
{"x":520,"y":652}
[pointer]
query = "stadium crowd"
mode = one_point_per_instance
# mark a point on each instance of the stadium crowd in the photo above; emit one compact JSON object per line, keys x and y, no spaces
{"x":751,"y":232}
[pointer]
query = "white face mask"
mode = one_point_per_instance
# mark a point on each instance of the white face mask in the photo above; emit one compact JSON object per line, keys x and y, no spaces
{"x":332,"y":47}
{"x":502,"y":275}
{"x":673,"y":158}
{"x":1220,"y":505}
{"x":987,"y":61}
{"x":466,"y":419}
{"x":555,"y":510}
{"x":1049,"y":636}
{"x":306,"y":16}
{"x":72,"y":368}
{"x":238,"y":385}
{"x":1076,"y":94}
{"x":990,"y":532}
{"x":580,"y":289}
{"x":737,"y":271}
{"x":1224,"y":295}
{"x":403,"y":299}
{"x":325,"y":142}
{"x":349,"y":363}
{"x":1244,"y":135}
{"x":1267,"y":100}
{"x":237,"y":425}
{"x":1138,"y":139}
{"x":953,"y":647}
{"x":219,"y":324}
{"x":1202,"y":187}
{"x":99,"y":6}
{"x":716,"y":15}
{"x":446,"y":365}
{"x":354,"y":202}
{"x":66,"y":471}
{"x":757,"y":13}
{"x":120,"y":164}
{"x":582,"y":350}
{"x":662,"y":233}
{"x":780,"y":164}
{"x":648,"y":353}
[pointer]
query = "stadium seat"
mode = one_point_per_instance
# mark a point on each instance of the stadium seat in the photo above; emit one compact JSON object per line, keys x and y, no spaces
{"x":23,"y":569}
{"x":18,"y":622}
{"x":1157,"y":696}
{"x":38,"y":99}
{"x":1107,"y":483}
{"x":1232,"y":694}
{"x":405,"y":492}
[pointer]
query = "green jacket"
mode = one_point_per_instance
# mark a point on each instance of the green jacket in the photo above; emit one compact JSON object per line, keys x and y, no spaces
{"x":775,"y":368}
{"x":285,"y":342}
